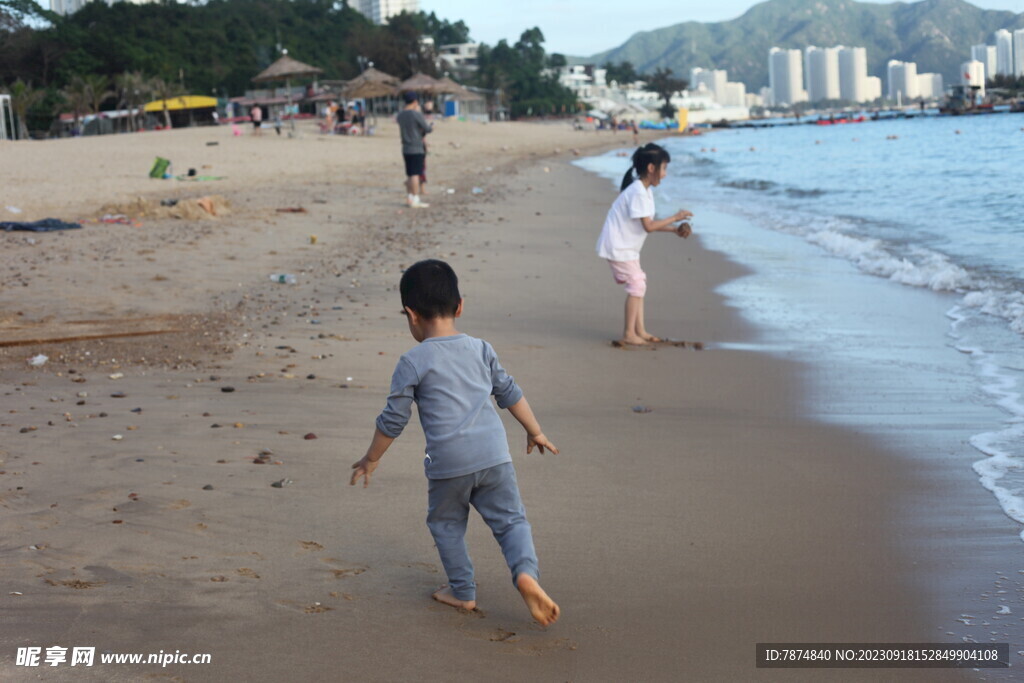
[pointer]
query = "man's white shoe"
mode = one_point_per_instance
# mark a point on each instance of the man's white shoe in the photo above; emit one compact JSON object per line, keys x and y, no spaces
{"x":417,"y":203}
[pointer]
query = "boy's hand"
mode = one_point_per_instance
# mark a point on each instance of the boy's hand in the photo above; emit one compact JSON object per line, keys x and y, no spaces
{"x":364,"y":468}
{"x":541,"y":442}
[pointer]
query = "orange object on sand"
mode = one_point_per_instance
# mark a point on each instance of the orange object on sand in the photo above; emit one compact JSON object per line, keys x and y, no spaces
{"x":206,"y":204}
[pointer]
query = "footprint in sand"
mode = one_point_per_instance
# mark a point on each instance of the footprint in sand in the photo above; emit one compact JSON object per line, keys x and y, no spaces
{"x":248,"y":573}
{"x":307,"y":608}
{"x":179,"y":504}
{"x":311,"y":546}
{"x":344,"y":570}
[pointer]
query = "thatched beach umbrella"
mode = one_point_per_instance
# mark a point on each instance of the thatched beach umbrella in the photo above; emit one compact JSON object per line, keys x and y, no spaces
{"x":371,"y":83}
{"x":450,"y":87}
{"x":284,"y":69}
{"x":421,"y":83}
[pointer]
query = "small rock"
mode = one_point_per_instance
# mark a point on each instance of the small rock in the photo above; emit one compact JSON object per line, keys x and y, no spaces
{"x":208,"y":487}
{"x":118,"y":394}
{"x":116,"y":437}
{"x":310,"y":436}
{"x":227,"y":390}
{"x":310,"y":376}
{"x":281,"y":483}
{"x":642,"y":409}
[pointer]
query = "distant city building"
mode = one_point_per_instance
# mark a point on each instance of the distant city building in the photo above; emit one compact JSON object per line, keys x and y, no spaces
{"x":972,"y":73}
{"x":1018,"y":52}
{"x":822,"y":66}
{"x":853,"y":75}
{"x":713,"y":80}
{"x":459,"y":56}
{"x":986,"y":54}
{"x":379,"y":11}
{"x":66,"y":7}
{"x":735,"y":95}
{"x":902,"y":80}
{"x":1004,"y":53}
{"x":786,"y":77}
{"x":766,"y":96}
{"x":872,"y":89}
{"x":930,"y":86}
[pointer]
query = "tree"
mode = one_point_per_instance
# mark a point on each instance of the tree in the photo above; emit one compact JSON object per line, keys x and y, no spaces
{"x":23,"y":98}
{"x":623,"y":73}
{"x":666,"y":85}
{"x":164,"y":90}
{"x":75,"y":95}
{"x":97,"y":89}
{"x":132,"y":88}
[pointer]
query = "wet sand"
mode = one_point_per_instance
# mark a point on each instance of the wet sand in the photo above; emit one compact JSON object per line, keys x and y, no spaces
{"x":674,"y":540}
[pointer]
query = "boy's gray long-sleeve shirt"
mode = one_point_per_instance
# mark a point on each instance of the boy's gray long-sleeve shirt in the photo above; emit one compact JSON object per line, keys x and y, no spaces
{"x":451,"y":379}
{"x":413,"y":126}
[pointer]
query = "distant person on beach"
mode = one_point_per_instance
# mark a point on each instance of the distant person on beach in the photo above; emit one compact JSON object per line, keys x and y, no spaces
{"x":413,"y":127}
{"x":257,"y":118}
{"x":636,"y":132}
{"x":625,"y":229}
{"x":451,"y":378}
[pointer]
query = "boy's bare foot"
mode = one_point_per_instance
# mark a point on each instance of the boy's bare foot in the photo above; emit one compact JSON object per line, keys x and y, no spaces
{"x":542,"y":607}
{"x":444,"y":594}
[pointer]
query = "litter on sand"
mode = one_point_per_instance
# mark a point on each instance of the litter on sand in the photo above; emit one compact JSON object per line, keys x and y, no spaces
{"x":45,"y":225}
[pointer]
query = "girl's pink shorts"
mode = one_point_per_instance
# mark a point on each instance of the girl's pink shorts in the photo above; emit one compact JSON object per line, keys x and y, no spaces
{"x":630,"y":274}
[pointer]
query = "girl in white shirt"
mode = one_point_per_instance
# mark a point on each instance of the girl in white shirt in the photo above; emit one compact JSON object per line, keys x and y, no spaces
{"x":625,"y":229}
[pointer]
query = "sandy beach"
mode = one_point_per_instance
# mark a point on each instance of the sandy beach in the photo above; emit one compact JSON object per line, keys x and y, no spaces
{"x":139,"y":517}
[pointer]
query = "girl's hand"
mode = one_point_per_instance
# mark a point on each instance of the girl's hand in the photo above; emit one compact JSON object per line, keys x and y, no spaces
{"x":541,"y":442}
{"x":364,"y":468}
{"x":683,"y":214}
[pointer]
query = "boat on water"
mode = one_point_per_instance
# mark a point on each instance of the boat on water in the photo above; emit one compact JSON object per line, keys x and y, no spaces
{"x":831,"y":121}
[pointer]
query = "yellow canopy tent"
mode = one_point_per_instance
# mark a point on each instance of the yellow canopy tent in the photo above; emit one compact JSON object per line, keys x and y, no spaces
{"x":181,"y":103}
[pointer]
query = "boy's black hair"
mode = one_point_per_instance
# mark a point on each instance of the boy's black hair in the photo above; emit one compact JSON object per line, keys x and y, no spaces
{"x":648,"y":154}
{"x":431,"y":288}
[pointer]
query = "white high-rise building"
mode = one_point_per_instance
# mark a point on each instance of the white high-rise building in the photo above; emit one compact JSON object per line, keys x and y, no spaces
{"x":1018,"y":52}
{"x":735,"y":95}
{"x":872,"y":88}
{"x":822,"y":73}
{"x":66,"y":7}
{"x":973,"y":73}
{"x":902,"y":80}
{"x":1004,"y":53}
{"x":713,"y":80}
{"x":986,"y":54}
{"x":853,"y":74}
{"x":786,"y":77}
{"x":929,"y":86}
{"x":379,"y":11}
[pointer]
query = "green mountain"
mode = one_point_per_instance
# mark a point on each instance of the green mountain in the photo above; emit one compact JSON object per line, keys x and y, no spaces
{"x":937,"y":34}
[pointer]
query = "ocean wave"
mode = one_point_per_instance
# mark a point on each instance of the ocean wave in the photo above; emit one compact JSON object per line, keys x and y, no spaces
{"x":757,"y":185}
{"x":1002,"y":303}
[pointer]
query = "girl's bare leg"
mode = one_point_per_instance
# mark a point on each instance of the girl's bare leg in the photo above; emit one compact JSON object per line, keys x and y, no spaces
{"x":639,"y":330}
{"x":634,"y":312}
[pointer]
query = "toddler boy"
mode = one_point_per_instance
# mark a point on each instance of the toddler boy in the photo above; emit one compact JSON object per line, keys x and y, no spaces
{"x":451,"y":377}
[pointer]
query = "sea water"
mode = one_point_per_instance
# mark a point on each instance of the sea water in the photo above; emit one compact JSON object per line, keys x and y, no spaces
{"x":888,"y":255}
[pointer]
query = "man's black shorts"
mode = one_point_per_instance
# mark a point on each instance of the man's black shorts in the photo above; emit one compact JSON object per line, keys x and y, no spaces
{"x":414,"y":164}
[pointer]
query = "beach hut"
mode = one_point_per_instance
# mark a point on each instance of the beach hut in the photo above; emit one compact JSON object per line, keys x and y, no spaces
{"x":371,"y":85}
{"x":185,"y":110}
{"x":285,"y":69}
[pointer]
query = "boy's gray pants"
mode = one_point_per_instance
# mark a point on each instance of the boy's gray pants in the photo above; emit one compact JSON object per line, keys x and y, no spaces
{"x":495,"y":495}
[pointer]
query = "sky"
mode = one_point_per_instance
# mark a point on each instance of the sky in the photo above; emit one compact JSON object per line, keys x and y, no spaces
{"x":585,"y":27}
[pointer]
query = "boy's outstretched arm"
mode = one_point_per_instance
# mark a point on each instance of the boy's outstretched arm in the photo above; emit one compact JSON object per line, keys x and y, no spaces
{"x":534,"y":436}
{"x":365,"y":467}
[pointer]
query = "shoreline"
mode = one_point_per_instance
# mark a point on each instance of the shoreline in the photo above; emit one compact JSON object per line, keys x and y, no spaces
{"x":673,"y":540}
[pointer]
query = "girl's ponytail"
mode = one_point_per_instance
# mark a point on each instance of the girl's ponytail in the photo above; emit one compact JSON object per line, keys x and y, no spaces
{"x":626,"y":179}
{"x":642,"y":157}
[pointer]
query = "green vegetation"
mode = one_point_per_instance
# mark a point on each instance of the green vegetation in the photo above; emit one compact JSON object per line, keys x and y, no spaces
{"x":123,"y":54}
{"x":517,"y":71}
